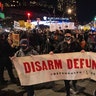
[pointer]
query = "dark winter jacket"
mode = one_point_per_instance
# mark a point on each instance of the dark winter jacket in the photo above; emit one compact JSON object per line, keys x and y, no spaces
{"x":64,"y":47}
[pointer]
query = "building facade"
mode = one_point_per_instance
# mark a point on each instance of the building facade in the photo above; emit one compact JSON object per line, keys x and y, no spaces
{"x":65,"y":8}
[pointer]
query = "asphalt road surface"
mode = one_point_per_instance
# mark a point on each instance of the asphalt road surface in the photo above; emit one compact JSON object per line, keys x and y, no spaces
{"x":56,"y":88}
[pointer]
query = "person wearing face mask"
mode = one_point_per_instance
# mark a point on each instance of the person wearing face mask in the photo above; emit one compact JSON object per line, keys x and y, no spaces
{"x":26,"y":50}
{"x":66,"y":46}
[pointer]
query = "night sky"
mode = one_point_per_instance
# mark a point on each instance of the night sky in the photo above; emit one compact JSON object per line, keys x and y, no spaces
{"x":86,"y":10}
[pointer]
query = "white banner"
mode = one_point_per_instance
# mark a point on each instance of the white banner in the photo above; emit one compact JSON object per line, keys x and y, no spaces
{"x":60,"y":26}
{"x":16,"y":24}
{"x":68,"y":25}
{"x":66,"y":66}
{"x":52,"y":27}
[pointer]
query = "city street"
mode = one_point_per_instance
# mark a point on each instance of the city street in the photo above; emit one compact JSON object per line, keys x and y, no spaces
{"x":85,"y":87}
{"x":62,"y":37}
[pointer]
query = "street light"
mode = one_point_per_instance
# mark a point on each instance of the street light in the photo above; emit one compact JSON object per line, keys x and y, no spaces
{"x":95,"y":18}
{"x":45,"y":18}
{"x":69,"y":11}
{"x":95,"y":22}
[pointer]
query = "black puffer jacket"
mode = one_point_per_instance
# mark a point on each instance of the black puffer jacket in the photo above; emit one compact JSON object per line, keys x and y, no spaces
{"x":64,"y":47}
{"x":5,"y":49}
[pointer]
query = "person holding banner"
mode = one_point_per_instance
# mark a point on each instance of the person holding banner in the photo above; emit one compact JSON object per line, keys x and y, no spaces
{"x":66,"y":46}
{"x":26,"y":50}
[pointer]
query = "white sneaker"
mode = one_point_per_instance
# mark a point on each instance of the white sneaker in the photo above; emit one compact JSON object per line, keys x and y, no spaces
{"x":73,"y":91}
{"x":94,"y":93}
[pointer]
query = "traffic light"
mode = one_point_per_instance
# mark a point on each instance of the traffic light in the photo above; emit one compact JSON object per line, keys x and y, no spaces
{"x":95,"y":22}
{"x":28,"y":14}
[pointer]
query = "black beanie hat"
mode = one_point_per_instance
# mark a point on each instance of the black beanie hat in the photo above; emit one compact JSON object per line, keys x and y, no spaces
{"x":24,"y":41}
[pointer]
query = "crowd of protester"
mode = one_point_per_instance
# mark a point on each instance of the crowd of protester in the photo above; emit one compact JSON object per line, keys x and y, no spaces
{"x":43,"y":42}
